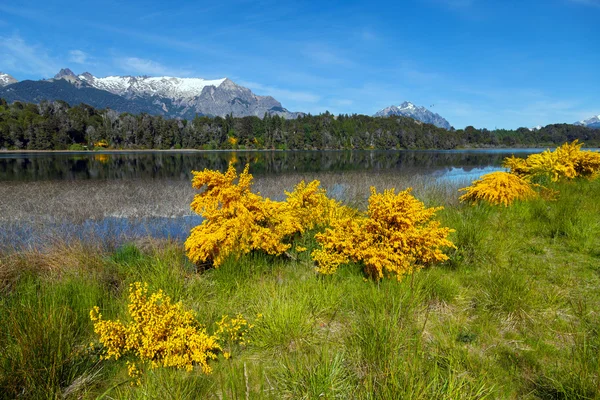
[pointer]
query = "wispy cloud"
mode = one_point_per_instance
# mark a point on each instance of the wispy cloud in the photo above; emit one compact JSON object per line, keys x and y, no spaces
{"x":342,"y":102}
{"x":18,"y":56}
{"x":28,"y":13}
{"x":466,"y":9}
{"x":282,"y":94}
{"x":326,"y":56}
{"x":368,"y":35}
{"x":143,"y":66}
{"x":591,"y":3}
{"x":78,"y":56}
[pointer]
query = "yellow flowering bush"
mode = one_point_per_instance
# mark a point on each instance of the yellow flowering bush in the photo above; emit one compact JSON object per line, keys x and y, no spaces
{"x":498,"y":188}
{"x":397,"y":236}
{"x":309,"y":204}
{"x":160,"y":332}
{"x":238,"y":221}
{"x":567,"y":161}
{"x":233,"y":331}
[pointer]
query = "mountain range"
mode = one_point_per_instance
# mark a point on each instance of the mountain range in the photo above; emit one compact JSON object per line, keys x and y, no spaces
{"x":174,"y":97}
{"x":593,"y":122}
{"x":168,"y":96}
{"x":408,"y":109}
{"x":6,"y":79}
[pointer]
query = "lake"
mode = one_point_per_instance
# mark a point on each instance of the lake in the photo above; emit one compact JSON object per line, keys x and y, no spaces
{"x":42,"y":166}
{"x":112,"y":197}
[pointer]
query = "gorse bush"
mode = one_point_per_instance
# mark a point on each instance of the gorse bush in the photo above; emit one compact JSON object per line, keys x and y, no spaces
{"x":233,"y":331}
{"x":309,"y":204}
{"x":238,"y":221}
{"x":498,"y":188}
{"x":160,"y":333}
{"x":397,"y":236}
{"x":566,"y":162}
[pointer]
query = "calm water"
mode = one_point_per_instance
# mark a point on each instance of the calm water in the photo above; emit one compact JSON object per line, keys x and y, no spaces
{"x":177,"y":165}
{"x":44,"y":188}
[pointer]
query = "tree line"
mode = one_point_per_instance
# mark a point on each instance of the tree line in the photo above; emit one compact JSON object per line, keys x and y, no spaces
{"x":57,"y":126}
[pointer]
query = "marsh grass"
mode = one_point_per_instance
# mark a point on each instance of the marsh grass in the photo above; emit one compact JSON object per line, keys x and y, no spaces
{"x":512,"y":315}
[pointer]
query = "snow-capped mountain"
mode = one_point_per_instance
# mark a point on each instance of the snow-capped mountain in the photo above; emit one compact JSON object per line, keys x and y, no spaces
{"x":408,"y":109}
{"x":169,"y":96}
{"x":183,"y":97}
{"x":535,"y":128}
{"x":593,"y":122}
{"x":162,"y":86}
{"x":6,"y":79}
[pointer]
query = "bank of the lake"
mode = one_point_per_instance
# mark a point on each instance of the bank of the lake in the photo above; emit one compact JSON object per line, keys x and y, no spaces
{"x":513,"y":314}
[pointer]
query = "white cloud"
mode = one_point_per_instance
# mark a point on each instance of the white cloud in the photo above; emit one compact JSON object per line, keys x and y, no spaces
{"x":282,"y":94}
{"x":143,"y":66}
{"x":18,"y":56}
{"x":78,"y":56}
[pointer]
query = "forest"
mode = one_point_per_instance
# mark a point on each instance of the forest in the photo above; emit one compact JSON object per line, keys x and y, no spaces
{"x":58,"y":126}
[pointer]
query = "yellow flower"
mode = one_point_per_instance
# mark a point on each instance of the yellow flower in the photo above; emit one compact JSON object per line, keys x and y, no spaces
{"x":567,"y":161}
{"x":498,"y":188}
{"x":238,"y":221}
{"x":160,"y":333}
{"x":396,"y":237}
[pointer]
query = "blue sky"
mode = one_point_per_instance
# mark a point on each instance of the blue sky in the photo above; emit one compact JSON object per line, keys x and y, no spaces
{"x":501,"y":64}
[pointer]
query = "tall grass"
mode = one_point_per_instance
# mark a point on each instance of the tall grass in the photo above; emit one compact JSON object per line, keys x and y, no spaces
{"x":513,"y":315}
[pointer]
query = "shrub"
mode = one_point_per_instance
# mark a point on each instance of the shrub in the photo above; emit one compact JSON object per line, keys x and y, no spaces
{"x":498,"y":188}
{"x":238,"y":221}
{"x":77,"y":147}
{"x":566,"y":162}
{"x":160,"y":332}
{"x":101,"y":144}
{"x":396,"y":237}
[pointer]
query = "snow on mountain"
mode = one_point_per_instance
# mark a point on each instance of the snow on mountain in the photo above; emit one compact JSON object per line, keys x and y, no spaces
{"x":162,"y":86}
{"x":182,"y":97}
{"x":535,"y":128}
{"x":6,"y":79}
{"x":408,"y":109}
{"x":593,"y":122}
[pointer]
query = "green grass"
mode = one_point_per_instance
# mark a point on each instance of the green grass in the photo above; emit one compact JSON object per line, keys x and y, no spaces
{"x":514,"y":314}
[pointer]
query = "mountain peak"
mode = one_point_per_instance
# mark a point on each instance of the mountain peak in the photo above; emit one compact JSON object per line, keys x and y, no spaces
{"x":228,"y":84}
{"x":63,"y":73}
{"x":6,"y":79}
{"x":407,"y":104}
{"x":167,"y":95}
{"x":593,"y":122}
{"x":408,"y":109}
{"x":87,"y":76}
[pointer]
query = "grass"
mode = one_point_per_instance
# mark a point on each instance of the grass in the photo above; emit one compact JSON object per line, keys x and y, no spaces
{"x":514,"y":314}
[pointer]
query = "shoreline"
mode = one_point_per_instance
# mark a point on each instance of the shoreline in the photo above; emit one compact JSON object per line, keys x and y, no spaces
{"x":108,"y":151}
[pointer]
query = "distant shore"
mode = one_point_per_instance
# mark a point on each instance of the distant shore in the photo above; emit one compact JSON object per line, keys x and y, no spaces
{"x":4,"y":151}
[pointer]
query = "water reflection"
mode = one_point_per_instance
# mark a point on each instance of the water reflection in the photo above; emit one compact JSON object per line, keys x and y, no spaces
{"x":123,"y":195}
{"x":106,"y":232}
{"x":178,"y":165}
{"x":455,"y":175}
